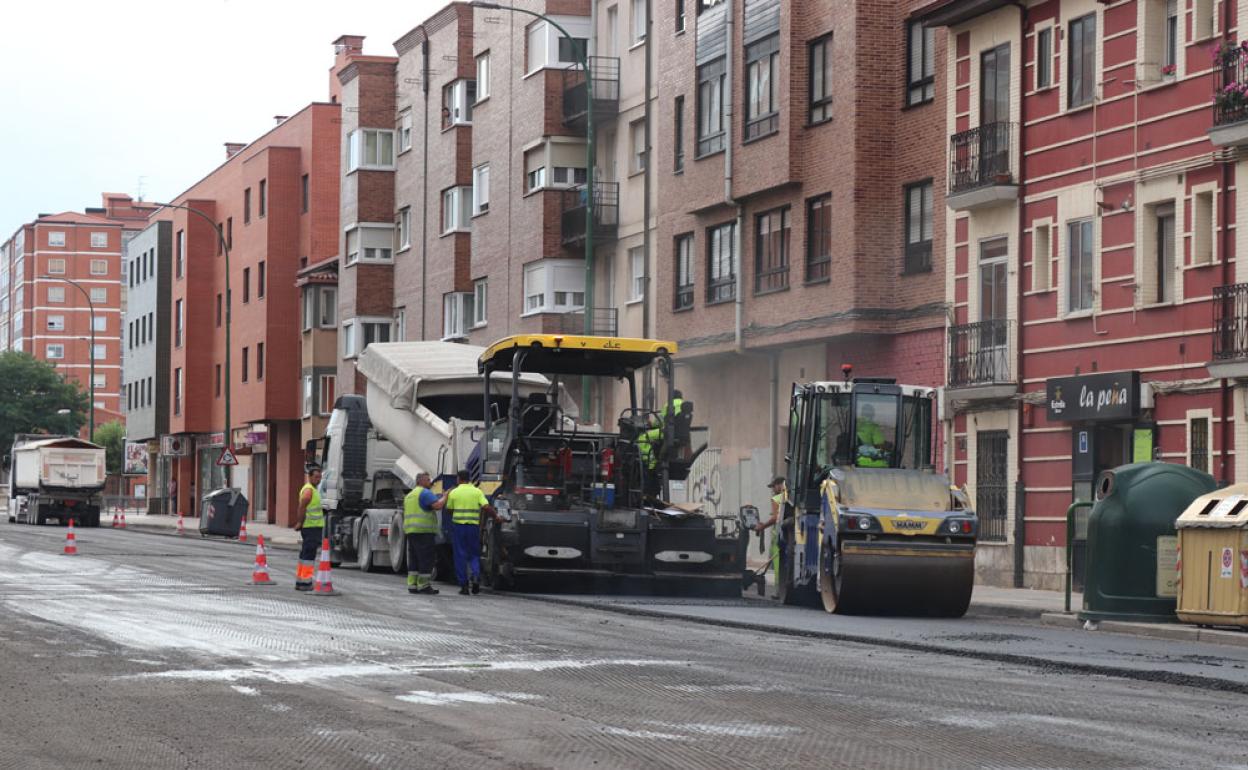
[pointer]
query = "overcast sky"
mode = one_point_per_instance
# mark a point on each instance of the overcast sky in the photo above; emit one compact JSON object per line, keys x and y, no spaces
{"x":140,"y":96}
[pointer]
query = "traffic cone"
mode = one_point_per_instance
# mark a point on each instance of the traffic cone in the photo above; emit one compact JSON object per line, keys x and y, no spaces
{"x":71,"y":545}
{"x":324,"y":583}
{"x":114,"y":519}
{"x":181,"y":525}
{"x":260,"y":572}
{"x":242,"y":531}
{"x":123,"y":520}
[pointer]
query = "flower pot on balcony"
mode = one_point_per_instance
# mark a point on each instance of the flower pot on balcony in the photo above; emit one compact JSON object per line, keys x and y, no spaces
{"x":1001,"y":179}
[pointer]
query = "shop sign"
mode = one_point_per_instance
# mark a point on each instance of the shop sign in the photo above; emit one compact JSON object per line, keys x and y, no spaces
{"x":1101,"y":396}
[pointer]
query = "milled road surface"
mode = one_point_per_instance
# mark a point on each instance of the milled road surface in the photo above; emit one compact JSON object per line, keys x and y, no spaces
{"x":151,"y":651}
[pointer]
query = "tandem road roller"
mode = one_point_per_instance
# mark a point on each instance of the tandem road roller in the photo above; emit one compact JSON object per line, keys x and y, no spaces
{"x":869,"y":526}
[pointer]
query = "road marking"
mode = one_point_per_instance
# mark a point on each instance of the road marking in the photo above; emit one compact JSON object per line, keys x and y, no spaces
{"x":430,"y":698}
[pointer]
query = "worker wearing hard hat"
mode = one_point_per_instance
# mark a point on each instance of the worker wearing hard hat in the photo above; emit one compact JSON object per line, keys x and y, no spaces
{"x":310,"y":524}
{"x":420,"y":532}
{"x":466,"y":503}
{"x":777,"y":515}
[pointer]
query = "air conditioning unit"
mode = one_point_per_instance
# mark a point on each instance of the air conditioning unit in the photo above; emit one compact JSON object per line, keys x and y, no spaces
{"x":175,"y":446}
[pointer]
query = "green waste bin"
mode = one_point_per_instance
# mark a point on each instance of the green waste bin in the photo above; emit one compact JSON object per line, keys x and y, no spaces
{"x":1131,"y":571}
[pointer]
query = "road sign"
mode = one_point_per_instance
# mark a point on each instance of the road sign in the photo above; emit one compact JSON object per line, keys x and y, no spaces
{"x":227,"y":457}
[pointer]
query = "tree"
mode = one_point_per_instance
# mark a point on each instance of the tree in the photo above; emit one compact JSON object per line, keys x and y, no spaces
{"x":112,"y":437}
{"x":32,"y":393}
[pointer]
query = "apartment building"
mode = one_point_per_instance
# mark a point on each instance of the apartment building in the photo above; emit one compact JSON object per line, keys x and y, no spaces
{"x":145,"y":351}
{"x":1098,"y":311}
{"x":318,"y":295}
{"x":276,"y":203}
{"x":799,"y":148}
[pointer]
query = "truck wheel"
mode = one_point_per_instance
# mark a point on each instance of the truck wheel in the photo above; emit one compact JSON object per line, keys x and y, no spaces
{"x":398,"y":544}
{"x":494,"y":572}
{"x":365,"y":553}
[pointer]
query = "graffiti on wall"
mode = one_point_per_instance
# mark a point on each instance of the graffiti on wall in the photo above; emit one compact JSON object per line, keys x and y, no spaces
{"x":705,"y":482}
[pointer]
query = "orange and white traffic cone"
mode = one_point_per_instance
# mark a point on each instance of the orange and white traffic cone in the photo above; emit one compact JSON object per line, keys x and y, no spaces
{"x":114,"y":519}
{"x":71,"y":544}
{"x":181,"y":525}
{"x":260,"y":572}
{"x":242,"y":531}
{"x":324,"y":584}
{"x":123,"y":520}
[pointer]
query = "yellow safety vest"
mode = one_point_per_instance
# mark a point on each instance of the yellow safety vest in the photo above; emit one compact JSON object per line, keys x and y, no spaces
{"x":314,"y":515}
{"x":417,"y":519}
{"x":465,"y":502}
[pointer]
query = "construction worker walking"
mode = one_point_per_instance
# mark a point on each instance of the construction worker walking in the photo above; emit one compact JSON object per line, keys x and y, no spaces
{"x":777,"y":516}
{"x":420,"y":531}
{"x":310,"y":522}
{"x":466,"y":503}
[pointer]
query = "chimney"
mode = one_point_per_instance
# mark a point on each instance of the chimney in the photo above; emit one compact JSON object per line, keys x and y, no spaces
{"x":233,"y":148}
{"x":346,"y":48}
{"x":280,"y":119}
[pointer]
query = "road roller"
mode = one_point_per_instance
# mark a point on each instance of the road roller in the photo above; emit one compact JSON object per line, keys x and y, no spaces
{"x":869,"y":526}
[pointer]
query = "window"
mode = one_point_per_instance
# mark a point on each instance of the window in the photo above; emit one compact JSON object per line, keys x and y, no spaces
{"x":329,"y":306}
{"x":554,"y":286}
{"x":456,"y":209}
{"x":1202,"y":228}
{"x":536,"y":179}
{"x":247,"y":206}
{"x":348,"y":339}
{"x":304,"y":193}
{"x":246,"y":359}
{"x":571,"y":51}
{"x":1198,"y":443}
{"x":636,"y":273}
{"x":405,"y":131}
{"x":307,"y":395}
{"x":762,"y":101}
{"x":98,"y":352}
{"x":309,"y":299}
{"x":328,"y":385}
{"x":370,"y":148}
{"x":264,"y":196}
{"x":1041,"y":257}
{"x":637,"y":146}
{"x":481,"y":189}
{"x":638,"y":11}
{"x":99,"y":295}
{"x":56,"y":323}
{"x":721,"y":263}
{"x":683,"y":251}
{"x":216,"y":382}
{"x":1079,"y":266}
{"x":1204,"y":18}
{"x":100,"y":381}
{"x":179,"y":319}
{"x":535,"y":48}
{"x":920,"y":63}
{"x":246,"y":285}
{"x":457,"y":100}
{"x":179,"y":254}
{"x":1081,"y":54}
{"x":177,"y":391}
{"x":56,"y":238}
{"x":1170,"y":56}
{"x":56,"y":296}
{"x":992,"y":484}
{"x":260,"y":279}
{"x":821,"y":80}
{"x":566,"y":176}
{"x":771,"y":251}
{"x":483,"y":79}
{"x":400,"y":324}
{"x":710,"y":108}
{"x":99,"y":240}
{"x":456,"y":312}
{"x":54,"y":352}
{"x":613,"y":32}
{"x":405,"y":228}
{"x":56,"y":266}
{"x":375,"y":331}
{"x":819,"y":238}
{"x":480,"y":298}
{"x":919,"y":220}
{"x":218,"y":310}
{"x":680,"y":15}
{"x":99,"y":323}
{"x":259,"y":360}
{"x":1160,"y":253}
{"x":370,"y":243}
{"x":678,"y":134}
{"x":229,"y":232}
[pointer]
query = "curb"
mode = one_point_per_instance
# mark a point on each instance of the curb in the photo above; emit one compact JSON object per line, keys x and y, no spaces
{"x":192,"y":536}
{"x":1163,"y":631}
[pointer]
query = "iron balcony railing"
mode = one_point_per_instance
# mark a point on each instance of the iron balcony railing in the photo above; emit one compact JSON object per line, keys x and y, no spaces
{"x":981,"y":157}
{"x":606,"y":213}
{"x":604,"y":322}
{"x":1230,"y":100}
{"x":979,"y":353}
{"x":606,"y":72}
{"x":1230,"y":322}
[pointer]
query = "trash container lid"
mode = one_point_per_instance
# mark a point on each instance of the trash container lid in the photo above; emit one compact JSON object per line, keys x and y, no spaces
{"x":1225,"y":508}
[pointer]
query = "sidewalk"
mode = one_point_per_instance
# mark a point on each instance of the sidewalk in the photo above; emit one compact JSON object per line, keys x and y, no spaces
{"x":274,"y":536}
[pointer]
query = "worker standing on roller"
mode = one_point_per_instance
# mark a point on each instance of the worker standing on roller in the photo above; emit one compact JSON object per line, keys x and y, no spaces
{"x":420,"y":532}
{"x":310,"y":523}
{"x":466,"y":503}
{"x":777,"y":516}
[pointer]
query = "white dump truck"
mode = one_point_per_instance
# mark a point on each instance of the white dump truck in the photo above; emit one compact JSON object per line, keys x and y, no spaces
{"x":422,"y":412}
{"x":55,"y":477}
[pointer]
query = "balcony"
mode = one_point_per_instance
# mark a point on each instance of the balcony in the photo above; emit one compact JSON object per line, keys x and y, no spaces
{"x":981,"y":167}
{"x":606,"y":72}
{"x":979,"y":362}
{"x":606,"y":214}
{"x":1230,"y":100}
{"x":1230,"y":332}
{"x":604,"y":322}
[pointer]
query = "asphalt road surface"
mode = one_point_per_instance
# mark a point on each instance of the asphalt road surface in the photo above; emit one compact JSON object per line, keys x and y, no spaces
{"x":152,"y":651}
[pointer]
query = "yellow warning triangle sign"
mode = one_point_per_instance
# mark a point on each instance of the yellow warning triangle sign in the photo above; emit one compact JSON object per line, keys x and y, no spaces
{"x":227,"y":457}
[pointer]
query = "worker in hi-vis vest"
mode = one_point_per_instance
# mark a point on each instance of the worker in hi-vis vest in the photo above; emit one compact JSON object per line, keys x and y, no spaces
{"x":420,"y":532}
{"x":466,"y":503}
{"x":310,"y":523}
{"x":777,"y":516}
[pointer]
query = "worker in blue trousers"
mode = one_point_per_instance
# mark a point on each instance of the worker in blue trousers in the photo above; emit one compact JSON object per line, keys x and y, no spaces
{"x":466,"y":503}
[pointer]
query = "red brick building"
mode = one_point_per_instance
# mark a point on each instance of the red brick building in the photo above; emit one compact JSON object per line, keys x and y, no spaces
{"x":276,"y":201}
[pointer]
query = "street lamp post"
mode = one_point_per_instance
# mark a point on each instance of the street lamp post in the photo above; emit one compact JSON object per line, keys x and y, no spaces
{"x":91,"y":308}
{"x":227,"y":437}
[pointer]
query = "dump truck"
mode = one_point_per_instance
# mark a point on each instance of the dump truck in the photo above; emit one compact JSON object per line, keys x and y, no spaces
{"x":869,"y":526}
{"x":55,"y":477}
{"x":421,"y":412}
{"x":588,"y":501}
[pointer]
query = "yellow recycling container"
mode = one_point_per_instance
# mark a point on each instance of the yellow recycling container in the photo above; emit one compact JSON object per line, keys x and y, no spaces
{"x":1213,"y":559}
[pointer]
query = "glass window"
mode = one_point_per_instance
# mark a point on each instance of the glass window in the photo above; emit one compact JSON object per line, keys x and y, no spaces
{"x":179,"y":254}
{"x":483,"y":78}
{"x":456,"y":209}
{"x":246,"y":284}
{"x":819,"y":238}
{"x":1079,"y":275}
{"x":1044,"y":58}
{"x":247,"y":206}
{"x":920,"y":63}
{"x":636,"y":273}
{"x":305,"y":197}
{"x":98,"y":352}
{"x":328,"y":385}
{"x":762,"y":101}
{"x":639,"y":20}
{"x":1081,"y":88}
{"x":179,"y":320}
{"x":821,"y":79}
{"x":678,"y":134}
{"x":711,"y":108}
{"x":56,"y":266}
{"x":246,"y":361}
{"x":535,"y":49}
{"x":54,"y":352}
{"x":177,"y":391}
{"x":264,"y":197}
{"x":456,"y":314}
{"x":261,"y":279}
{"x":721,"y":262}
{"x":56,"y":238}
{"x":99,"y":295}
{"x":405,"y":228}
{"x":480,"y":296}
{"x":405,"y":131}
{"x":481,"y":189}
{"x":99,"y":240}
{"x":100,"y":323}
{"x":1163,"y":251}
{"x":307,"y":395}
{"x":771,"y":250}
{"x":457,"y":100}
{"x":637,"y":149}
{"x":684,"y":272}
{"x":348,"y":339}
{"x":1198,"y":443}
{"x":56,"y":323}
{"x":919,"y":220}
{"x":875,"y":424}
{"x":370,"y":148}
{"x":329,"y":306}
{"x":680,"y":15}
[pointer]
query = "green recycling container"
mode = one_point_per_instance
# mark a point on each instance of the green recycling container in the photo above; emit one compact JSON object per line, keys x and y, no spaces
{"x":1131,"y":546}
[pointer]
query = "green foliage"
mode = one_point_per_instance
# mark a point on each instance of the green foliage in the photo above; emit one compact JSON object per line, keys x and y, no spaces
{"x":31,"y":394}
{"x":112,"y":437}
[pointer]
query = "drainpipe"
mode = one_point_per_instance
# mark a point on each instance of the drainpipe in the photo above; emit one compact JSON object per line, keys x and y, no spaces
{"x":424,"y":183}
{"x":1225,"y":233}
{"x":646,"y":177}
{"x":727,"y":99}
{"x":1020,"y":494}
